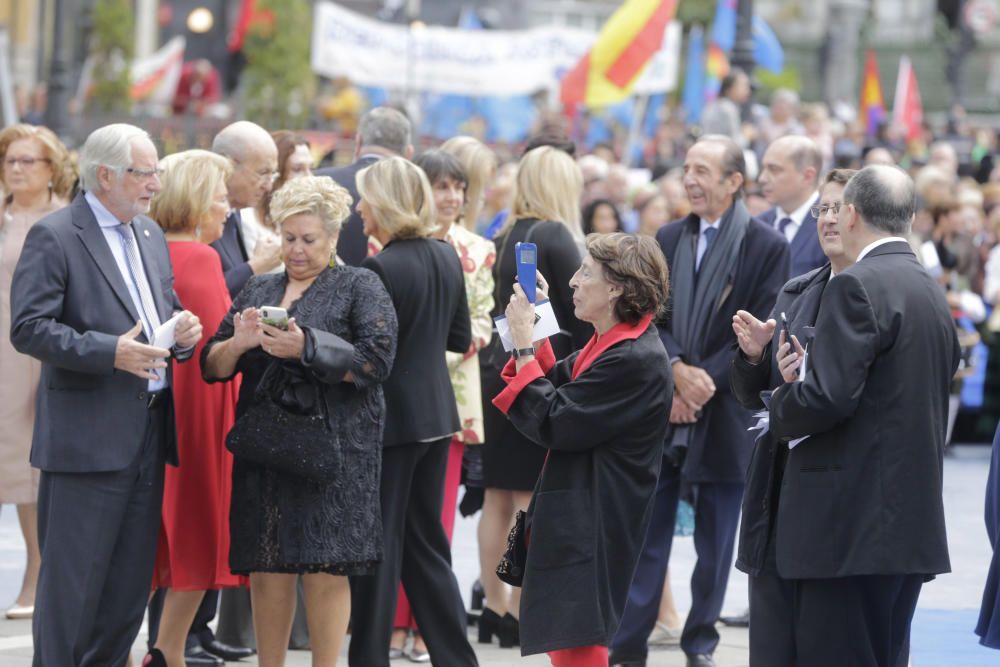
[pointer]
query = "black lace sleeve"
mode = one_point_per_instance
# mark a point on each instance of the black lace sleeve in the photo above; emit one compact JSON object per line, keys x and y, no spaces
{"x":226,"y":328}
{"x":373,"y":319}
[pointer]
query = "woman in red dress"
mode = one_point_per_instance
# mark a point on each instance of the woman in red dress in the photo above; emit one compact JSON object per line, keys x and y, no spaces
{"x":194,"y":539}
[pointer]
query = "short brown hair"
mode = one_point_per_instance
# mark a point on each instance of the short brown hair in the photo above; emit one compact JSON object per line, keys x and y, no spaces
{"x":636,"y":264}
{"x":838,"y":176}
{"x":286,"y":141}
{"x":58,"y":157}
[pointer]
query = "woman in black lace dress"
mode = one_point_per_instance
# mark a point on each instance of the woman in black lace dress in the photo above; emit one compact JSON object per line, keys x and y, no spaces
{"x":341,"y":334}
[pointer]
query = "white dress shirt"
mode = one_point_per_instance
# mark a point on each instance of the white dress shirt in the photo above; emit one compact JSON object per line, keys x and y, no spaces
{"x":796,"y":217}
{"x":702,"y":243}
{"x":874,"y":244}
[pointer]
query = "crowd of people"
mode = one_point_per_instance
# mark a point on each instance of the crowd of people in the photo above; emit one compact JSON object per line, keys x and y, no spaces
{"x":175,"y":449}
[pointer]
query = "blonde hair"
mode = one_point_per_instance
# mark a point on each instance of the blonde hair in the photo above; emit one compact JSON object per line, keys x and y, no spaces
{"x":480,"y":164}
{"x":312,"y":195}
{"x":400,"y":197}
{"x":190,"y":180}
{"x":548,"y":187}
{"x":63,"y":168}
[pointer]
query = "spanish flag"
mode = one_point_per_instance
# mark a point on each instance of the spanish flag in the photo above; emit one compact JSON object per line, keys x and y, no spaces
{"x":626,"y":43}
{"x":871,"y":111}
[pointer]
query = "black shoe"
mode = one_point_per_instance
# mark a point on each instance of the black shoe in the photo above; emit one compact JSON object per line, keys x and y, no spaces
{"x":199,"y":656}
{"x":154,"y":659}
{"x":626,"y":662}
{"x":700,"y":660}
{"x":509,"y":632}
{"x":477,"y":597}
{"x":489,"y":625}
{"x":228,"y":652}
{"x":738,"y":621}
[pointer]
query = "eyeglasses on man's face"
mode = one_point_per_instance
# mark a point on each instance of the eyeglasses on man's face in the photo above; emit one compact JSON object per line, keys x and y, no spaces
{"x":820,"y":210}
{"x":145,"y":174}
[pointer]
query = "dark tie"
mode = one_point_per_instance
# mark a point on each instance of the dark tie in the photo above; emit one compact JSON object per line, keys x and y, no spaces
{"x":783,"y":225}
{"x":709,"y":234}
{"x":147,"y":307}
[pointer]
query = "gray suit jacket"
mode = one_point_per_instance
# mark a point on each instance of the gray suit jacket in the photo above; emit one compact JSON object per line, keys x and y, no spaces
{"x":69,"y":305}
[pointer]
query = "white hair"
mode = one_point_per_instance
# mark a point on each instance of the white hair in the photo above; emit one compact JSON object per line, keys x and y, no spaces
{"x":236,"y":140}
{"x":594,"y":166}
{"x":109,"y":146}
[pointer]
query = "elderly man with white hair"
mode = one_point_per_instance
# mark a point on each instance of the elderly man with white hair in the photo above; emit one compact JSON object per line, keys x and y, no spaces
{"x":92,"y":287}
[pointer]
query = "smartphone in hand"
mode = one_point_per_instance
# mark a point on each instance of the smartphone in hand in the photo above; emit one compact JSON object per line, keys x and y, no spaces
{"x":526,"y":255}
{"x":275,"y":317}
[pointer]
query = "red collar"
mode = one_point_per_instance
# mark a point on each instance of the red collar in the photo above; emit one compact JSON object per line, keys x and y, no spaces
{"x":598,"y":344}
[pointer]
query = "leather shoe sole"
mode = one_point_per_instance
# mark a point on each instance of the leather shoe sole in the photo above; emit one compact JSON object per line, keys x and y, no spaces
{"x":228,"y":652}
{"x":201,"y":657}
{"x":700,"y":660}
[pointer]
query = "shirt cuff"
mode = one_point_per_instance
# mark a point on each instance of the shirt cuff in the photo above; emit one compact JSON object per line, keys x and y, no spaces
{"x":544,"y":355}
{"x":530,"y":372}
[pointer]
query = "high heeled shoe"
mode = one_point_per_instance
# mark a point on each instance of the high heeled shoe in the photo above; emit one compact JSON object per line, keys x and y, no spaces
{"x":477,"y":596}
{"x":510,"y":631}
{"x":489,"y":625}
{"x":154,"y":659}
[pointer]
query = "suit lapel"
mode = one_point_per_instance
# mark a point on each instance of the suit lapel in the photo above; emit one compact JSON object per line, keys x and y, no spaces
{"x":93,"y":239}
{"x":807,"y":231}
{"x":150,"y":266}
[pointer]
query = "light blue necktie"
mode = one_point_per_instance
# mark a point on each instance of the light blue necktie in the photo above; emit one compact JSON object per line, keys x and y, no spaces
{"x":709,"y":234}
{"x":147,"y":306}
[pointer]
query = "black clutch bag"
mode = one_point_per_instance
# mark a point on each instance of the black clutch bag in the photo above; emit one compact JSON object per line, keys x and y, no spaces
{"x":511,"y":567}
{"x":287,"y":428}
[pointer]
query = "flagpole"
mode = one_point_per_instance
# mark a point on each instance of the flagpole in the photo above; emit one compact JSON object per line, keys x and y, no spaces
{"x":635,"y":130}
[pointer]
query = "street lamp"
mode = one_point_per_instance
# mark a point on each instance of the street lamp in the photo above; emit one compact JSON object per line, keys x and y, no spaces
{"x":56,"y":110}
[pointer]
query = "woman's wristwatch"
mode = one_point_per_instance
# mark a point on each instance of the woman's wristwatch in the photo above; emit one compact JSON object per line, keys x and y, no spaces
{"x":524,"y":352}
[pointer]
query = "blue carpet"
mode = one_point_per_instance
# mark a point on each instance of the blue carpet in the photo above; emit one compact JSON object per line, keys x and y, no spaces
{"x":945,"y":638}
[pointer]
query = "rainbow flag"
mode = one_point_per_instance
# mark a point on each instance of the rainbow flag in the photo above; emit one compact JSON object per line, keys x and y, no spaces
{"x":871,"y":110}
{"x":607,"y":73}
{"x":723,"y":37}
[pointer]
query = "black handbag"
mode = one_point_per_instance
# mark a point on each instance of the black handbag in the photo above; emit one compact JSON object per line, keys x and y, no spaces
{"x":511,"y":567}
{"x":287,"y":428}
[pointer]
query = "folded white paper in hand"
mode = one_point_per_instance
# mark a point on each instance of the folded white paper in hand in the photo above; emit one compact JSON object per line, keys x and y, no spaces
{"x":763,"y":421}
{"x":164,"y":335}
{"x":545,"y":325}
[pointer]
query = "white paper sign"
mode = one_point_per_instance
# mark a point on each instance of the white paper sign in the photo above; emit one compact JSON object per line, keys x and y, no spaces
{"x":545,"y":326}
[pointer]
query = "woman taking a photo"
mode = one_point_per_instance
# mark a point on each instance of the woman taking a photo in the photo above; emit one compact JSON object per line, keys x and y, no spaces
{"x":545,"y":212}
{"x":340,"y":339}
{"x":600,"y":414}
{"x":424,"y":279}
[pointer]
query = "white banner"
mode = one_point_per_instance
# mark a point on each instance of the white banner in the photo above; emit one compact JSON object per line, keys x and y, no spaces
{"x":460,"y":62}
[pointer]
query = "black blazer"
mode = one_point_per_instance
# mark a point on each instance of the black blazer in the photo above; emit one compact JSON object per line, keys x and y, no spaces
{"x":69,"y":305}
{"x":593,"y":501}
{"x":800,"y":300}
{"x":425,"y":281}
{"x":352,"y":246}
{"x":720,"y":447}
{"x":233,"y":255}
{"x":807,"y":254}
{"x":863,"y":494}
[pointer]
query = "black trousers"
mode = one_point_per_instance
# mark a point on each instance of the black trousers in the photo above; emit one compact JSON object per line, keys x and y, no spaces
{"x":416,"y":551}
{"x":98,"y":534}
{"x":859,"y":621}
{"x":717,"y":511}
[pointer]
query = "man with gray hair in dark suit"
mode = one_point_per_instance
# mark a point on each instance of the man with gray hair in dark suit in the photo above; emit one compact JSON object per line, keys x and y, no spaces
{"x":383,"y":132}
{"x":92,"y":286}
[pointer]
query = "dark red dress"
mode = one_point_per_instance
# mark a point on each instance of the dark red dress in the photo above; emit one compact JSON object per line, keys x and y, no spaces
{"x":193,"y":553}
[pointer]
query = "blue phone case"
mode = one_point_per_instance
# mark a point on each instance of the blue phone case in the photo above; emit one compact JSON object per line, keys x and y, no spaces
{"x":526,"y":255}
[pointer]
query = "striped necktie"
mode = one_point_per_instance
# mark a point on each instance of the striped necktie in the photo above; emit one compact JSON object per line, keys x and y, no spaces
{"x":147,"y":306}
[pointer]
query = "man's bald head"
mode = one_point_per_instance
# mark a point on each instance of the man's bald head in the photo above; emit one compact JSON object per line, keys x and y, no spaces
{"x":235,"y":141}
{"x":884,"y":197}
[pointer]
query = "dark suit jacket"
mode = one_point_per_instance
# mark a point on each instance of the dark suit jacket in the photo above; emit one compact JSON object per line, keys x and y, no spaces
{"x":69,"y":305}
{"x":352,"y":246}
{"x":233,"y":255}
{"x":863,"y":494}
{"x":427,"y":286}
{"x":988,"y":626}
{"x":720,"y":447}
{"x":799,"y":299}
{"x":807,"y":254}
{"x":593,"y":501}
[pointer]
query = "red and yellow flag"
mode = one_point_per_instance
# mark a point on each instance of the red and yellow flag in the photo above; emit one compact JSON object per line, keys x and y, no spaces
{"x":625,"y":45}
{"x":872,"y":107}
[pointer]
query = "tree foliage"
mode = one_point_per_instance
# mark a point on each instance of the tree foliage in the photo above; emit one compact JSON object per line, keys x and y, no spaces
{"x":278,"y":76}
{"x":112,"y":48}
